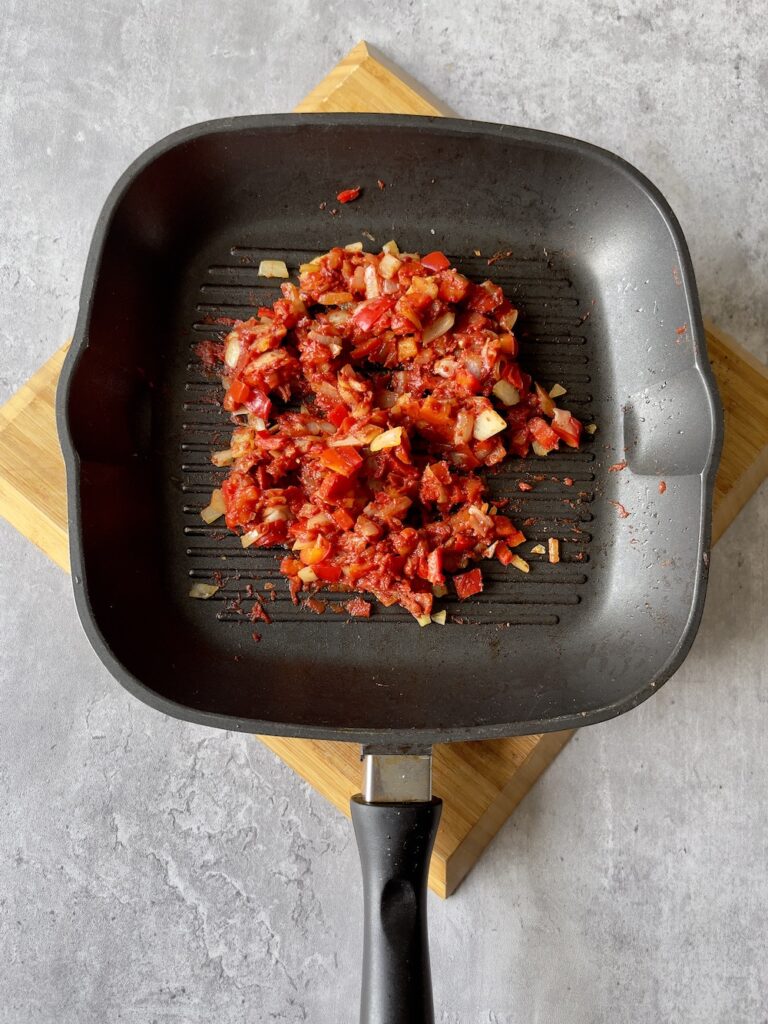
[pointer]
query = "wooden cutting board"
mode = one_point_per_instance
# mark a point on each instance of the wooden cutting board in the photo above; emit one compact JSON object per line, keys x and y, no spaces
{"x":481,"y":783}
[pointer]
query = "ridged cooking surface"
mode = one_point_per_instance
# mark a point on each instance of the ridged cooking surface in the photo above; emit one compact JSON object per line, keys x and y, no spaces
{"x":554,"y":348}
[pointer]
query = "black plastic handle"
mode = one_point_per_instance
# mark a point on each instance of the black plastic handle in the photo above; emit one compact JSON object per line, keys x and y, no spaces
{"x":395,"y":843}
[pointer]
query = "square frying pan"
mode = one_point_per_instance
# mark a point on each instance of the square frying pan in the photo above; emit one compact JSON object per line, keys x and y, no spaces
{"x":593,"y":257}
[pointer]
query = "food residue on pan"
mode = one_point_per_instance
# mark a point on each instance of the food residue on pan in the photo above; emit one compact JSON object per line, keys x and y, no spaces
{"x":623,"y":513}
{"x":348,"y":195}
{"x":368,"y":400}
{"x":662,"y":486}
{"x":618,"y":466}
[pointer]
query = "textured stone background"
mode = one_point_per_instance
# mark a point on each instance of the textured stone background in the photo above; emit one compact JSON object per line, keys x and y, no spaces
{"x":151,"y":871}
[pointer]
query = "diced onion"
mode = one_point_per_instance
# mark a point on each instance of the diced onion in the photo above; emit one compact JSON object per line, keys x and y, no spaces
{"x":364,"y":435}
{"x":272,"y":268}
{"x":439,"y":590}
{"x":423,"y":620}
{"x":509,"y":319}
{"x":366,"y":527}
{"x":336,"y":298}
{"x":233,"y":351}
{"x":389,"y":266}
{"x":439,"y":327}
{"x":307,"y":574}
{"x":488,"y":423}
{"x":465,"y":423}
{"x":372,"y":290}
{"x":391,"y":248}
{"x":389,"y":287}
{"x":538,"y":449}
{"x":538,"y":549}
{"x":388,"y":439}
{"x":520,"y":563}
{"x":554,"y":550}
{"x":278,"y":514}
{"x":321,"y":519}
{"x":354,"y":247}
{"x":249,"y":538}
{"x":202,"y":591}
{"x":506,"y":393}
{"x":490,"y":551}
{"x":224,"y":458}
{"x":215,"y":509}
{"x":590,"y":428}
{"x":336,"y":317}
{"x":256,"y":422}
{"x":439,"y":617}
{"x":557,"y":391}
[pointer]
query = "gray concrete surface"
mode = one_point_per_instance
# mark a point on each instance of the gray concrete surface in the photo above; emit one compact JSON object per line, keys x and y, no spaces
{"x":152,"y":872}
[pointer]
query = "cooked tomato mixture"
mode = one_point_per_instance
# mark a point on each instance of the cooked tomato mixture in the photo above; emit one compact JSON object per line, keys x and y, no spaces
{"x":370,"y":398}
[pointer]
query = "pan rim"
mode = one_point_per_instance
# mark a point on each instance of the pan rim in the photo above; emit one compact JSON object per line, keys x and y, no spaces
{"x":441,"y":125}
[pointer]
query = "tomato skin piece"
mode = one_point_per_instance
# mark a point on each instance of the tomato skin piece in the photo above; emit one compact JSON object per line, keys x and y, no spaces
{"x":468,"y":584}
{"x":345,"y":461}
{"x":436,"y":261}
{"x":290,"y":566}
{"x":366,"y":315}
{"x":348,"y":195}
{"x":327,"y":571}
{"x":237,"y":394}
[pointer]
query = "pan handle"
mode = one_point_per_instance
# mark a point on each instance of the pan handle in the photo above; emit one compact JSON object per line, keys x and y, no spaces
{"x":395,"y":840}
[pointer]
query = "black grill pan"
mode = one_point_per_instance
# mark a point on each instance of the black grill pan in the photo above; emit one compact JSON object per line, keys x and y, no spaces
{"x":598,"y":266}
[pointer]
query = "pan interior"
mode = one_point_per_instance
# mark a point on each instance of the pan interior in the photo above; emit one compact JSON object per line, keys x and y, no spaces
{"x":596,"y":272}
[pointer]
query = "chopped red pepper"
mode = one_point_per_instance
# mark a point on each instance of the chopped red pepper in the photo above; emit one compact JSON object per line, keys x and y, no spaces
{"x":345,"y":461}
{"x":366,"y":315}
{"x":468,"y":583}
{"x":436,"y":261}
{"x":348,"y":195}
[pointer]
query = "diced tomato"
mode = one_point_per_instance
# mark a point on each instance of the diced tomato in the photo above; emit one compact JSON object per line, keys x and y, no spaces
{"x":343,"y":519}
{"x":468,"y":583}
{"x":338,"y":414}
{"x":367,"y":313}
{"x":237,"y":394}
{"x":503,"y":553}
{"x":290,"y":566}
{"x":435,"y":567}
{"x":348,"y":195}
{"x":327,"y":571}
{"x":542,"y":433}
{"x":566,"y":426}
{"x":357,"y":606}
{"x":436,"y":261}
{"x":346,"y":460}
{"x":504,"y":527}
{"x":334,"y":486}
{"x":259,"y":404}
